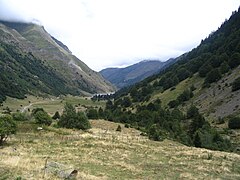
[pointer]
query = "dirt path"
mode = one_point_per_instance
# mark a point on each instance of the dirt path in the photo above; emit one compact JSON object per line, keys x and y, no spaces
{"x":26,"y":107}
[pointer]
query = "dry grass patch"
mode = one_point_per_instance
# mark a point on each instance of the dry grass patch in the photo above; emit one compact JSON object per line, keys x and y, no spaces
{"x":103,"y":153}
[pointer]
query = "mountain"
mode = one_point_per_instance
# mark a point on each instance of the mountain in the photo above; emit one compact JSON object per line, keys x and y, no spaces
{"x":32,"y":61}
{"x":195,"y":100}
{"x":122,"y":77}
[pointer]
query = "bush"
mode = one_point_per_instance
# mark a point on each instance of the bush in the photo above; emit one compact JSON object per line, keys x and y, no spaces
{"x":18,"y":116}
{"x":119,"y":128}
{"x":41,"y":117}
{"x":213,"y":76}
{"x":173,"y":103}
{"x":34,"y":111}
{"x":92,"y":114}
{"x":56,"y":115}
{"x":71,"y":119}
{"x":7,"y":127}
{"x":236,"y":84}
{"x":234,"y":123}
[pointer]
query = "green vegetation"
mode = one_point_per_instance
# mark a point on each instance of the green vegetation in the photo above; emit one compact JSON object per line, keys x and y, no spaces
{"x":72,"y":119}
{"x":7,"y":127}
{"x":113,"y":155}
{"x":236,"y":84}
{"x":25,"y":72}
{"x":56,"y":115}
{"x":191,"y":129}
{"x":42,"y":117}
{"x":234,"y":123}
{"x":92,"y":113}
{"x":119,"y":128}
{"x":179,"y":86}
{"x":18,"y":116}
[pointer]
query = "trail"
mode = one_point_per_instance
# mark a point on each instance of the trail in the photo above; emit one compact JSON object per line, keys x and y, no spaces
{"x":26,"y":107}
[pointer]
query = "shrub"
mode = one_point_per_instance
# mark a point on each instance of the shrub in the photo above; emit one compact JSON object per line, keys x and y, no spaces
{"x":234,"y":123}
{"x":41,"y":117}
{"x":213,"y":76}
{"x":34,"y":111}
{"x":18,"y":116}
{"x":71,"y":119}
{"x":7,"y":127}
{"x":92,"y":114}
{"x":153,"y":133}
{"x":173,"y":103}
{"x":119,"y":128}
{"x":236,"y":84}
{"x":56,"y":115}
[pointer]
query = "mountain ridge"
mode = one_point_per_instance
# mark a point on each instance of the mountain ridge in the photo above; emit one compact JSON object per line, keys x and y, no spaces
{"x":34,"y":40}
{"x":132,"y":74}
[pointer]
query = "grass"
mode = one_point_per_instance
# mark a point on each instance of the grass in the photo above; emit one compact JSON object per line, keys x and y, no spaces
{"x":50,"y":104}
{"x":169,"y":95}
{"x":103,"y":153}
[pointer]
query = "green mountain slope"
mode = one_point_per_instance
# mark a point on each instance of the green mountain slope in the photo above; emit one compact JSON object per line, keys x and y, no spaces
{"x":192,"y":100}
{"x":32,"y":42}
{"x":122,"y":77}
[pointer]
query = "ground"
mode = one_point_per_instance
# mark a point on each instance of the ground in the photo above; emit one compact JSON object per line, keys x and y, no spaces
{"x":49,"y":104}
{"x":104,"y":153}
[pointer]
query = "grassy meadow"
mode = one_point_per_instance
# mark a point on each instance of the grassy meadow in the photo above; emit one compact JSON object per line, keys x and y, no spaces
{"x":104,"y":153}
{"x":50,"y":104}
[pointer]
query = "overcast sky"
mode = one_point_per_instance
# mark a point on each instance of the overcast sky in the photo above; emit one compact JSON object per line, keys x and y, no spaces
{"x":113,"y":33}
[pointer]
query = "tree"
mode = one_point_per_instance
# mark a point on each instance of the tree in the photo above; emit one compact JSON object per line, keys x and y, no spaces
{"x":236,"y":84}
{"x":234,"y":60}
{"x":42,"y":117}
{"x":7,"y":127}
{"x":92,"y":114}
{"x":71,"y":119}
{"x":224,"y":68}
{"x":18,"y":116}
{"x":56,"y":115}
{"x":234,"y":123}
{"x":197,"y":140}
{"x":119,"y":128}
{"x":173,"y":103}
{"x":153,"y":133}
{"x":34,"y":111}
{"x":204,"y":69}
{"x":126,"y":102}
{"x":101,"y":113}
{"x":213,"y":76}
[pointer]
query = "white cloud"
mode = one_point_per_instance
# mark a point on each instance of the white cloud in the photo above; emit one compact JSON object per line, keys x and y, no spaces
{"x":119,"y":32}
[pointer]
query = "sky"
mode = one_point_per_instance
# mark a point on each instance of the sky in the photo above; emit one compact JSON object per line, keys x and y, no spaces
{"x":117,"y":33}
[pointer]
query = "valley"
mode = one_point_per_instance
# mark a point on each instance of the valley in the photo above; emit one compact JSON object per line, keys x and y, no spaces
{"x":178,"y":119}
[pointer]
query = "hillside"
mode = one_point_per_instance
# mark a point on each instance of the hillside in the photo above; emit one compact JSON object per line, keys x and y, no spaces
{"x":103,"y":153}
{"x":122,"y":77}
{"x":193,"y":100}
{"x":27,"y":50}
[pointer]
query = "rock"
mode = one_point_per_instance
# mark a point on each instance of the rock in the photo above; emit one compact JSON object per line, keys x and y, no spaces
{"x":60,"y":170}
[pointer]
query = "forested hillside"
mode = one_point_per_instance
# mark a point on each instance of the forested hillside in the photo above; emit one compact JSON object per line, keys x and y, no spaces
{"x":33,"y":62}
{"x":174,"y":102}
{"x":22,"y":73}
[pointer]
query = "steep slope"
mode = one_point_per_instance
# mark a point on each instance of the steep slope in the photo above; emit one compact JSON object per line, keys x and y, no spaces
{"x":33,"y":38}
{"x":192,"y":100}
{"x":122,"y":77}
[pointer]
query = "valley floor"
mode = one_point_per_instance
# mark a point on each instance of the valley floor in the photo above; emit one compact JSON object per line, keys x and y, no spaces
{"x":104,"y":153}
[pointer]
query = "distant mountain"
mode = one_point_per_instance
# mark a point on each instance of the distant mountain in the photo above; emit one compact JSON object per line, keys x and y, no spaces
{"x":32,"y":61}
{"x":122,"y":77}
